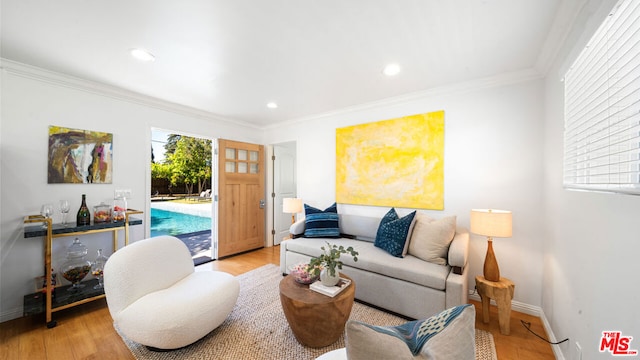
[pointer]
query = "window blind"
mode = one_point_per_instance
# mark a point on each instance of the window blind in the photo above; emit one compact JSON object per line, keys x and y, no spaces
{"x":602,"y":107}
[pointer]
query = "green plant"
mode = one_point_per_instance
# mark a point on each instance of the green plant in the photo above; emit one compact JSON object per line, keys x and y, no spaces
{"x":330,"y":258}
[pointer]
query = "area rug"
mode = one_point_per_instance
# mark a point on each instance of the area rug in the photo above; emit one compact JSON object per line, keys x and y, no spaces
{"x":257,"y":328}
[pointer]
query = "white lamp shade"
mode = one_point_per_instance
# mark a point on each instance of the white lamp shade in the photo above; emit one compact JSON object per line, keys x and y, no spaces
{"x":291,"y":205}
{"x":488,"y":222}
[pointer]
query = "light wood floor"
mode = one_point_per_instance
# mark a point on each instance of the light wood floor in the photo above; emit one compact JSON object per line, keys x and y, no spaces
{"x":86,"y":331}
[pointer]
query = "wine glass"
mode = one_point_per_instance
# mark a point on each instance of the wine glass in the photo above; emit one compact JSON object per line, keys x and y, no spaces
{"x":46,"y":210}
{"x":64,"y":209}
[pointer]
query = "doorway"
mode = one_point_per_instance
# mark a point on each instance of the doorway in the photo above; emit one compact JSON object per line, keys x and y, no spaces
{"x":181,"y":202}
{"x":284,"y":186}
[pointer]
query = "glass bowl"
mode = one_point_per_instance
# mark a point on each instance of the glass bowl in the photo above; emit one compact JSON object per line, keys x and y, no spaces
{"x":301,"y":276}
{"x":101,"y":213}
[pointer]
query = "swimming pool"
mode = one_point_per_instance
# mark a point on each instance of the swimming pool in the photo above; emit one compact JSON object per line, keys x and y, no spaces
{"x":165,"y":222}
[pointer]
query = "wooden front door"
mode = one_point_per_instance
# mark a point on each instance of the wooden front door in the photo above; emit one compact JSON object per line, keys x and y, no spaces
{"x":241,"y":202}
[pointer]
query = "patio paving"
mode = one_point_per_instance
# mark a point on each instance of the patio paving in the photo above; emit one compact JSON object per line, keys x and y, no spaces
{"x":199,"y":244}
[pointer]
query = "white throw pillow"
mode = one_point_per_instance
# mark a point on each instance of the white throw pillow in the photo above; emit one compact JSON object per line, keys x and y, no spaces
{"x":430,"y":240}
{"x":364,"y":343}
{"x":424,"y":217}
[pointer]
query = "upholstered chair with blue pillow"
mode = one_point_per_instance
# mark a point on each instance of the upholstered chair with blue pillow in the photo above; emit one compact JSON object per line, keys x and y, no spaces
{"x":447,"y":335}
{"x":157,"y":299}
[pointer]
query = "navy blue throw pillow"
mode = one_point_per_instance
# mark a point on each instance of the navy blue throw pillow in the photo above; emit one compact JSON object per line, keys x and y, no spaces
{"x":392,"y":232}
{"x":319,"y":223}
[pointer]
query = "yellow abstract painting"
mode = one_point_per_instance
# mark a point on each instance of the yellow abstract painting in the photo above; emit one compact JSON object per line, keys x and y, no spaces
{"x":396,"y":163}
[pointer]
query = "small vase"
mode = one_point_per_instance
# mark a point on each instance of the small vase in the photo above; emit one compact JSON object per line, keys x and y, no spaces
{"x":327,"y":279}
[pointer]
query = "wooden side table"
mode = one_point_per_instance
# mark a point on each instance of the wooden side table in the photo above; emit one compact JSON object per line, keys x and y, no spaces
{"x":316,"y":320}
{"x":502,"y":292}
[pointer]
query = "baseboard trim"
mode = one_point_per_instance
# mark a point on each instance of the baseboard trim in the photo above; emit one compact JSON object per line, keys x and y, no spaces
{"x":10,"y":315}
{"x":533,"y":311}
{"x":547,"y":327}
{"x":515,"y":306}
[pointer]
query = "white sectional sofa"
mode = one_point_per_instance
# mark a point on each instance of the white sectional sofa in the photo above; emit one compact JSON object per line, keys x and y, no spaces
{"x":408,"y":286}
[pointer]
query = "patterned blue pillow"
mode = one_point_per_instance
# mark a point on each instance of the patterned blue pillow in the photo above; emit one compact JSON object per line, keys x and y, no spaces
{"x":392,"y":232}
{"x":390,"y":216}
{"x":448,"y":335}
{"x":319,"y":223}
{"x":416,"y":333}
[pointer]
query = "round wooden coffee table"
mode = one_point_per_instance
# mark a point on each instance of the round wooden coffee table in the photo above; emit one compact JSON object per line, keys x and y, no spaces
{"x":316,"y":320}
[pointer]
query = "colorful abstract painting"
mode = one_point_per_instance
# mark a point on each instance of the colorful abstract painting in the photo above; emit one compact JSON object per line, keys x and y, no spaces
{"x":395,"y":163}
{"x":79,"y":156}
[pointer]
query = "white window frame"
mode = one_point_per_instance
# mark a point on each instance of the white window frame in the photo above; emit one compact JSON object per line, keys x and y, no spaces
{"x":602,"y":107}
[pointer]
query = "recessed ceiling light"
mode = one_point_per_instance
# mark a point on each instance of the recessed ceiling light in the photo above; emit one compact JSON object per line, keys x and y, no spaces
{"x":142,"y":55}
{"x":272,"y":105}
{"x":391,"y":69}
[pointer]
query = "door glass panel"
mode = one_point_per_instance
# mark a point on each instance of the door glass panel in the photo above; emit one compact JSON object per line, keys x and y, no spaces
{"x":253,"y":155}
{"x":242,"y":167}
{"x":230,"y":153}
{"x":230,"y":167}
{"x":242,"y":155}
{"x":253,"y":169}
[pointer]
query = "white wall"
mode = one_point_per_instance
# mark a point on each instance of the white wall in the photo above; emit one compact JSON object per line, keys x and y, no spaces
{"x":33,"y":99}
{"x":591,"y":248}
{"x":493,"y":159}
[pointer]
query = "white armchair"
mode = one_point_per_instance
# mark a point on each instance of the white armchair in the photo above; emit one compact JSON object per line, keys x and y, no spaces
{"x":156,"y":297}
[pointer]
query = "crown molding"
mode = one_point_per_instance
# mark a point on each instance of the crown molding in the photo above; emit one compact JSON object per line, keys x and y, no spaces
{"x":446,"y":90}
{"x":563,"y":22}
{"x":64,"y":80}
{"x":68,"y":81}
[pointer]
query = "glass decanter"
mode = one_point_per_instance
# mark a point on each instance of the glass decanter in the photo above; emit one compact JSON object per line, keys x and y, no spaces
{"x":97,"y":269}
{"x":76,"y":267}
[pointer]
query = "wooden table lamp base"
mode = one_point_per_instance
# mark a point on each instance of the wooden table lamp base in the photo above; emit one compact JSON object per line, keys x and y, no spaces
{"x":491,"y":270}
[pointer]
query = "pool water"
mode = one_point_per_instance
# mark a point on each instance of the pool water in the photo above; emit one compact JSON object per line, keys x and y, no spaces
{"x":172,"y":223}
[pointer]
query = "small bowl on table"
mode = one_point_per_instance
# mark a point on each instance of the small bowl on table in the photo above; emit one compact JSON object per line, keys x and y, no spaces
{"x":301,"y":275}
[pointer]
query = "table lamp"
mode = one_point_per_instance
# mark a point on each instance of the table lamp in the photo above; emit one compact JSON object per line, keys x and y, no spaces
{"x":292,"y":206}
{"x":491,"y":223}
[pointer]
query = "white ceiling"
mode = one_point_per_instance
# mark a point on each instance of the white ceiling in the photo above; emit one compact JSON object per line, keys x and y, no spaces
{"x":231,"y":57}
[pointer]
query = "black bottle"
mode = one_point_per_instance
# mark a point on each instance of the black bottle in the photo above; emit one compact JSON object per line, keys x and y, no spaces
{"x":84,"y":216}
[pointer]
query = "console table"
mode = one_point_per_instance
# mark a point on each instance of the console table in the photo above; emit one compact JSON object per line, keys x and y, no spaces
{"x":33,"y":303}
